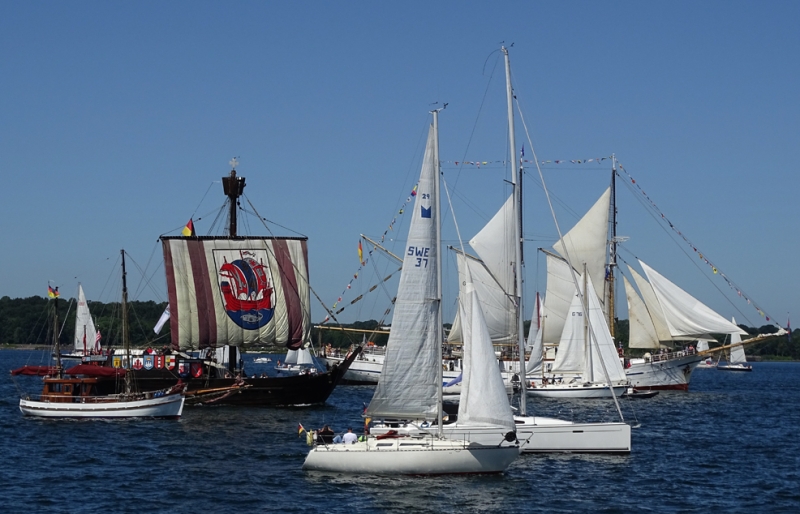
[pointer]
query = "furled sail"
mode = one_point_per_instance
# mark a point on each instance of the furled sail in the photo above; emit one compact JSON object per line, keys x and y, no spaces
{"x":408,"y":385}
{"x":686,"y":316}
{"x":237,"y":291}
{"x":483,"y":395}
{"x":586,"y":243}
{"x":641,"y":331}
{"x":86,"y":339}
{"x":737,"y":352}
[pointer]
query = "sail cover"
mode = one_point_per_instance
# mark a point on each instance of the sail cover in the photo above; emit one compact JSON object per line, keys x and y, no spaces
{"x":587,"y":242}
{"x":237,"y":291}
{"x":483,"y":395}
{"x":86,"y":339}
{"x":408,"y":386}
{"x":686,"y":316}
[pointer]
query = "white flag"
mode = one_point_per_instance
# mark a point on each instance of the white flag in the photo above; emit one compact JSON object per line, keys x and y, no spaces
{"x":163,"y":319}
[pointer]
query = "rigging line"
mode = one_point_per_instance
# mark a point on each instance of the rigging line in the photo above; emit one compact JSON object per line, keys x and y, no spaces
{"x":204,"y":196}
{"x":584,"y":304}
{"x":654,"y":212}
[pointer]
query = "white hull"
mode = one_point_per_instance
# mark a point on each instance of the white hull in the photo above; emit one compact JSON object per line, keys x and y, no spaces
{"x":537,"y":435}
{"x":368,"y":370}
{"x":735,"y":367}
{"x":410,"y":456}
{"x":576,"y":391}
{"x":170,"y":406}
{"x":673,"y":373}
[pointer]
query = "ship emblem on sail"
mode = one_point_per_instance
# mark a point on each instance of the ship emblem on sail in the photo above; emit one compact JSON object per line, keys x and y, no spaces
{"x":245,"y":281}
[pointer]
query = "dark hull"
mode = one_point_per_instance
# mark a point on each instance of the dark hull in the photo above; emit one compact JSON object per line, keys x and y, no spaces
{"x":295,"y":390}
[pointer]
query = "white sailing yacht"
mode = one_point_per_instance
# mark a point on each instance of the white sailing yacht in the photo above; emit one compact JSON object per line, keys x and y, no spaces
{"x":297,"y":362}
{"x":702,"y":346}
{"x":737,"y":360}
{"x":410,"y":384}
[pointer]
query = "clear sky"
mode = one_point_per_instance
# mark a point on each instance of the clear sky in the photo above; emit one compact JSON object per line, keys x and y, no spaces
{"x":117,"y":118}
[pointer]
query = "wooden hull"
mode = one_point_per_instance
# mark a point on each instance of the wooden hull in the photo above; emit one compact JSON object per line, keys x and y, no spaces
{"x":410,"y":456}
{"x":293,"y":390}
{"x":170,"y":406}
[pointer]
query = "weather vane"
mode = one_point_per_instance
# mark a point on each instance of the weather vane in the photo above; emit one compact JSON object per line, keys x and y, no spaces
{"x":234,"y":162}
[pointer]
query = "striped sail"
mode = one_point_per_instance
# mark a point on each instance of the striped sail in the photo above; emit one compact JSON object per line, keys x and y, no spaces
{"x":408,"y":388}
{"x":237,"y":291}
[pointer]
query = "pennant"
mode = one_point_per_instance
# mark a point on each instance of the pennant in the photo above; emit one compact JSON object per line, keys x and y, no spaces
{"x":188,"y":230}
{"x":300,"y":430}
{"x":161,"y":321}
{"x":360,"y":253}
{"x":53,"y":293}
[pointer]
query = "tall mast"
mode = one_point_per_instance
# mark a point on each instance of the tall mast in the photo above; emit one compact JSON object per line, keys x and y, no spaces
{"x":516,"y":181}
{"x":612,"y":261}
{"x":56,"y":342}
{"x":126,"y":342}
{"x":438,"y":317}
{"x":233,"y":187}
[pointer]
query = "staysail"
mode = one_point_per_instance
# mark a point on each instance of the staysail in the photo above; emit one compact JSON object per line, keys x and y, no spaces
{"x":686,"y":316}
{"x":408,"y":387}
{"x":86,"y":339}
{"x":237,"y":291}
{"x":641,"y":331}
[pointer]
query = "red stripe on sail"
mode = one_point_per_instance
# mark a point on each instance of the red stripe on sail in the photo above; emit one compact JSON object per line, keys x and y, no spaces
{"x":294,"y":309}
{"x":172,"y":295}
{"x":206,"y":318}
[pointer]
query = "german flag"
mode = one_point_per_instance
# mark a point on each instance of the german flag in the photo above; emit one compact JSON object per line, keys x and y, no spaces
{"x":53,"y":293}
{"x":188,"y":230}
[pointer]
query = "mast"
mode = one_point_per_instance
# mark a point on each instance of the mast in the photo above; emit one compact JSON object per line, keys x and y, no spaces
{"x":438,"y":317}
{"x":125,"y":336}
{"x":56,"y":342}
{"x":516,"y":181}
{"x":233,"y":186}
{"x":612,"y":262}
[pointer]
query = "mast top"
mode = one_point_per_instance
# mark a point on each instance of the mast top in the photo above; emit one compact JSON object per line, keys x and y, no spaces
{"x":233,"y":187}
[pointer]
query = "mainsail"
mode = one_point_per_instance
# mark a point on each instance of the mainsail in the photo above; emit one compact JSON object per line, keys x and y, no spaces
{"x":408,"y":387}
{"x":587,"y":242}
{"x":237,"y":291}
{"x":585,"y":348}
{"x":686,"y":317}
{"x":86,"y":339}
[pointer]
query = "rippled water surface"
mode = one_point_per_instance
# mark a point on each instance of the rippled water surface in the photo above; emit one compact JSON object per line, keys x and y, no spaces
{"x":730,"y":444}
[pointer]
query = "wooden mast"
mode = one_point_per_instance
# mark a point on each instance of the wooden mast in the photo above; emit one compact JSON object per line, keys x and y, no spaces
{"x":233,"y":186}
{"x":126,"y":342}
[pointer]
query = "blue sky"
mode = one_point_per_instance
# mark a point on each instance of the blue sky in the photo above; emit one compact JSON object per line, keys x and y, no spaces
{"x":119,"y":116}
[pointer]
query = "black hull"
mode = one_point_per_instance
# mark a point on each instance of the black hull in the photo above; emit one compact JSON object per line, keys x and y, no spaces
{"x":281,"y":391}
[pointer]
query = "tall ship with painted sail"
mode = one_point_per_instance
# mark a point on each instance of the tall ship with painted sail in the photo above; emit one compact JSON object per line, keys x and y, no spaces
{"x":227,"y":293}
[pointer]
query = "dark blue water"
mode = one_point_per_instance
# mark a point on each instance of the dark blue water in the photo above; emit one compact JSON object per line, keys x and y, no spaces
{"x":730,"y":444}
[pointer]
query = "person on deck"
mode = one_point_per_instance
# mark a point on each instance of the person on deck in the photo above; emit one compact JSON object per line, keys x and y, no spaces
{"x":349,"y":437}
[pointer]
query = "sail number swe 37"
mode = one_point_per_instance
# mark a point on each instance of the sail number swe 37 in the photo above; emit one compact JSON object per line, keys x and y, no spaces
{"x":421,"y":255}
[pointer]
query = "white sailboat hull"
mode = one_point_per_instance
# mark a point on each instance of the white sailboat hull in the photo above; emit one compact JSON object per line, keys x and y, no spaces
{"x":368,"y":370}
{"x":576,"y":391}
{"x":169,"y":406}
{"x":735,"y":367}
{"x":410,"y":456}
{"x":536,"y":434}
{"x":673,"y":373}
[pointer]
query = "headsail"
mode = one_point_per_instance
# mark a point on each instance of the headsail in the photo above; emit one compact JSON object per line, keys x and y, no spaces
{"x":237,"y":291}
{"x":408,"y":387}
{"x":737,"y":352}
{"x":641,"y":331}
{"x":557,"y":298}
{"x":86,"y":338}
{"x":483,"y":396}
{"x":686,"y":316}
